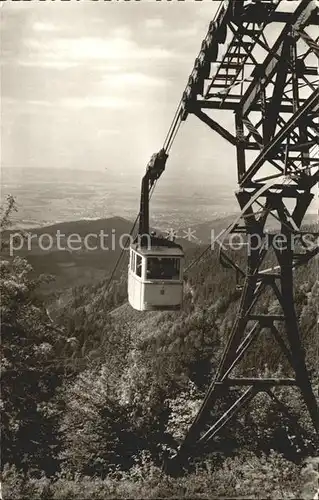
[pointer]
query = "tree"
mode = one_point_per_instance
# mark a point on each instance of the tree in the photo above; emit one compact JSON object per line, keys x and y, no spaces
{"x":97,"y":433}
{"x":30,"y":374}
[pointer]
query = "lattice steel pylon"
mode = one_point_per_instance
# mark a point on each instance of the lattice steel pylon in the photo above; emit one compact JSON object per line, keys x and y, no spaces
{"x":272,"y":88}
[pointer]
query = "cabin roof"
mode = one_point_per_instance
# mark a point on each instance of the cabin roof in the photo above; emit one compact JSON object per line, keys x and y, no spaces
{"x":158,"y":246}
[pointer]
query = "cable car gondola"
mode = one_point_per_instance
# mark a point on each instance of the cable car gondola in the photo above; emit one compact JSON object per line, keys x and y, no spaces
{"x":155,"y":279}
{"x":155,"y":274}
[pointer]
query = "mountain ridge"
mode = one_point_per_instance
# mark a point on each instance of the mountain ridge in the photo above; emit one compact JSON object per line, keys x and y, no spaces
{"x":71,"y":267}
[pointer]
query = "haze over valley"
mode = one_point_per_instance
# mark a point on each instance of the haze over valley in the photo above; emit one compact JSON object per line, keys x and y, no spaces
{"x":46,"y":196}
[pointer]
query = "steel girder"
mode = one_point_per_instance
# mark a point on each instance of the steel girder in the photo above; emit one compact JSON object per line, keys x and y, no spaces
{"x":276,"y":103}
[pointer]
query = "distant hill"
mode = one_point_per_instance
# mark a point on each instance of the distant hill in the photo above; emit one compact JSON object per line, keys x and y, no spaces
{"x":77,"y":263}
{"x":311,"y":219}
{"x":203,"y":233}
{"x":116,"y":226}
{"x":82,"y":227}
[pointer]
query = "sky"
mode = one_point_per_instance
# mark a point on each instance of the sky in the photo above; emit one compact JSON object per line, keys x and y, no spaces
{"x":95,"y":85}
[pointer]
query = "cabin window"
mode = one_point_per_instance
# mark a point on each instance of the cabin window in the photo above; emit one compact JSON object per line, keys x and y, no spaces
{"x":139,"y":265}
{"x":133,"y":255}
{"x":163,"y":268}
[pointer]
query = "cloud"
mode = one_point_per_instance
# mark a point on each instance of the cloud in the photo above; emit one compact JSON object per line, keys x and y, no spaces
{"x":135,"y":80}
{"x":122,"y":32}
{"x":94,"y":48}
{"x":47,"y":27}
{"x":47,"y":104}
{"x":96,"y":102}
{"x":60,"y":65}
{"x":107,"y":132}
{"x":88,"y":101}
{"x":186,"y":32}
{"x":153,"y":23}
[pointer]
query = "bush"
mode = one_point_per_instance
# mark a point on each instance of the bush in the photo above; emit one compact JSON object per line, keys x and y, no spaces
{"x":245,"y":475}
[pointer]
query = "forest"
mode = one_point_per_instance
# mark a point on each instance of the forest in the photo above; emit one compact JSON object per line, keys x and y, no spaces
{"x":95,"y":395}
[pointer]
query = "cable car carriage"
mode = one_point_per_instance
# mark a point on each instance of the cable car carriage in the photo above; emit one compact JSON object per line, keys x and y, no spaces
{"x":155,"y":280}
{"x":155,"y":274}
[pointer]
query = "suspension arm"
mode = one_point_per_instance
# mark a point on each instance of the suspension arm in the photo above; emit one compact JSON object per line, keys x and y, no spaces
{"x":154,"y":170}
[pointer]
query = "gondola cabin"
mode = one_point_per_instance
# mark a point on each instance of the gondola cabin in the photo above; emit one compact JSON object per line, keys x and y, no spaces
{"x":155,"y":275}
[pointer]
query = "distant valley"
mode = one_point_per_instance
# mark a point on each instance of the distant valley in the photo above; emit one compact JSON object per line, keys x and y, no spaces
{"x":51,"y":196}
{"x":72,"y":267}
{"x":80,"y":202}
